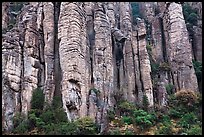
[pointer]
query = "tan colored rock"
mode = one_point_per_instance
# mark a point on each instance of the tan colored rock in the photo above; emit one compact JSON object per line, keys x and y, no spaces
{"x":72,"y":51}
{"x":49,"y":30}
{"x":96,"y":54}
{"x":111,"y":14}
{"x":157,"y":43}
{"x":179,"y":49}
{"x":126,"y":28}
{"x":11,"y":77}
{"x":30,"y":57}
{"x":138,"y":80}
{"x":102,"y":61}
{"x":145,"y":63}
{"x":20,"y":57}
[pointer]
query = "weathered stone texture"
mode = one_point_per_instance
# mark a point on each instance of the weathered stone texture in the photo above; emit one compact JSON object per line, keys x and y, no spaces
{"x":102,"y":60}
{"x":126,"y":28}
{"x":96,"y":54}
{"x":138,"y":79}
{"x":49,"y":30}
{"x":30,"y":57}
{"x":145,"y":63}
{"x":157,"y":47}
{"x":72,"y":50}
{"x":179,"y":49}
{"x":11,"y":77}
{"x":157,"y":51}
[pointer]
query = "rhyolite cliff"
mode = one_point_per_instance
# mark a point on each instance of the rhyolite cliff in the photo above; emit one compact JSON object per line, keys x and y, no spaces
{"x":93,"y":54}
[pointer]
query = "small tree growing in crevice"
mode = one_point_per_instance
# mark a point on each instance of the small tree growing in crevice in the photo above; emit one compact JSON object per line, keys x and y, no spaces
{"x":145,"y":102}
{"x":38,"y":98}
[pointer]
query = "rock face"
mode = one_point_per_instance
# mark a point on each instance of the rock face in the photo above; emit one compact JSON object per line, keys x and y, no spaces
{"x":30,"y":57}
{"x":49,"y":30}
{"x":126,"y":28}
{"x":144,"y":61}
{"x":73,"y":59}
{"x":102,"y":61}
{"x":5,"y":15}
{"x":11,"y":77}
{"x":169,"y":43}
{"x":179,"y":49}
{"x":93,"y":56}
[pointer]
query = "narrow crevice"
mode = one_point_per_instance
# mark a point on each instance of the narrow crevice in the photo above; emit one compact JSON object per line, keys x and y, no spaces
{"x":41,"y":72}
{"x":163,"y":40}
{"x":21,"y":77}
{"x":91,"y":42}
{"x":57,"y":69}
{"x":116,"y":68}
{"x":118,"y":77}
{"x":138,"y":53}
{"x":91,"y":38}
{"x":91,"y":60}
{"x":149,"y":32}
{"x":123,"y":62}
{"x":116,"y":62}
{"x":169,"y":77}
{"x":177,"y":78}
{"x":118,"y":15}
{"x":192,"y":42}
{"x":135,"y":76}
{"x":172,"y":77}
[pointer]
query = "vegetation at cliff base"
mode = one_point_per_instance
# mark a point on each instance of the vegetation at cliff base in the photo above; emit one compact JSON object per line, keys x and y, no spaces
{"x":182,"y":116}
{"x":51,"y":120}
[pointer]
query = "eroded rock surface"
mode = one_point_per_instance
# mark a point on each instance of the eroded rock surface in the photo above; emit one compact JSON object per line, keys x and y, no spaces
{"x":92,"y":55}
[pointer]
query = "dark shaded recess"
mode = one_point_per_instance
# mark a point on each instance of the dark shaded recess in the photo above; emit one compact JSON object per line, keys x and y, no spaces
{"x":138,"y":53}
{"x":92,"y":43}
{"x":134,"y":65}
{"x":22,"y":73}
{"x":41,"y":72}
{"x":57,"y":68}
{"x":73,"y":81}
{"x":164,"y":49}
{"x":163,"y":40}
{"x":118,"y":40}
{"x":71,"y":106}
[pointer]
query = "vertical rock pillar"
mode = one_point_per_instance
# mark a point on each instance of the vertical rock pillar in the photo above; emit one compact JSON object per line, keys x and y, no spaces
{"x":129,"y":67}
{"x":30,"y":57}
{"x":72,"y":51}
{"x":179,"y":49}
{"x":144,"y":61}
{"x":102,"y":62}
{"x":49,"y":30}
